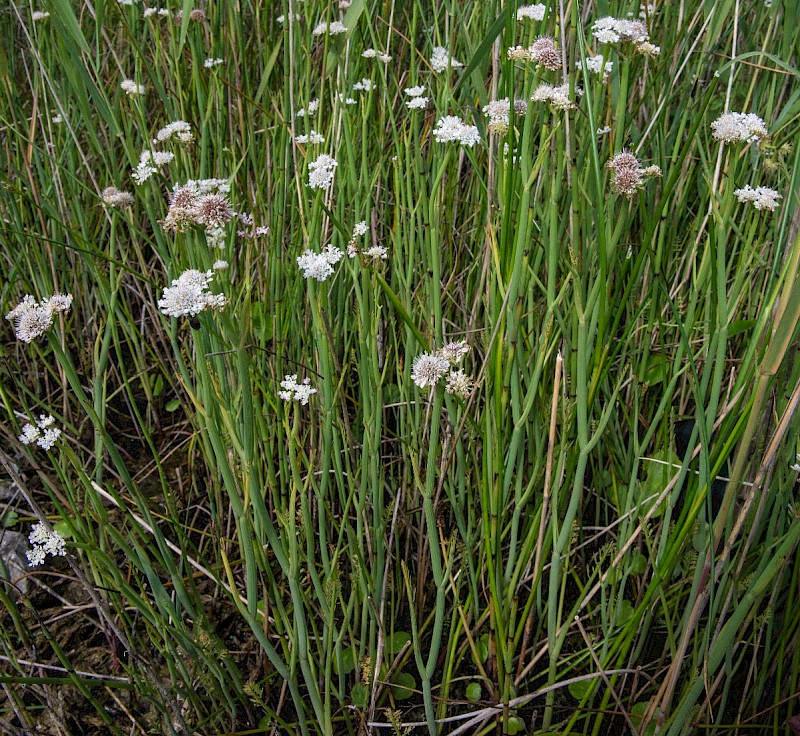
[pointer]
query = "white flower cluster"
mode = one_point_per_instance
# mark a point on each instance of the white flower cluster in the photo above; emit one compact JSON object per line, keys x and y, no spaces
{"x":332,"y":29}
{"x":312,"y":138}
{"x":313,"y":106}
{"x":282,"y":18}
{"x":189,"y":295}
{"x":113,"y":197}
{"x":43,"y":433}
{"x":200,"y":202}
{"x":44,"y":543}
{"x":292,"y":390}
{"x":623,"y":30}
{"x":32,"y":319}
{"x":129,"y":87}
{"x":180,"y":129}
{"x":321,"y":171}
{"x":736,"y":127}
{"x":211,"y":63}
{"x":452,"y":129}
{"x":319,"y":266}
{"x":558,"y":97}
{"x":365,"y":85}
{"x":499,"y":113}
{"x":596,"y":64}
{"x":163,"y":12}
{"x":149,"y":163}
{"x":379,"y":55}
{"x":39,"y":15}
{"x":441,"y":60}
{"x":417,"y":101}
{"x":531,"y":12}
{"x":428,"y":368}
{"x":763,"y":198}
{"x":627,"y":174}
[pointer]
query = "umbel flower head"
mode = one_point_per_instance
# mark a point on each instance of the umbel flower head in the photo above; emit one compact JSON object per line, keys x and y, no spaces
{"x":762,"y":198}
{"x":32,"y":319}
{"x":453,"y":129}
{"x":627,"y":175}
{"x":43,"y":433}
{"x":499,"y":113}
{"x":319,"y":265}
{"x":441,"y":60}
{"x":321,"y":171}
{"x":428,"y":368}
{"x":189,"y":295}
{"x":736,"y":127}
{"x":44,"y":543}
{"x":294,"y":391}
{"x":531,"y":12}
{"x":558,"y":97}
{"x":113,"y":197}
{"x":544,"y":52}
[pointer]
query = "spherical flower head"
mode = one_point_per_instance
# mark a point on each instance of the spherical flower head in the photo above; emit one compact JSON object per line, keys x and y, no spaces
{"x":544,"y":52}
{"x":626,"y":174}
{"x":499,"y":114}
{"x":735,"y":127}
{"x":60,"y":302}
{"x":213,"y":210}
{"x":414,"y":91}
{"x":531,"y":12}
{"x":321,"y":172}
{"x":189,"y":295}
{"x":360,"y":229}
{"x":428,"y":368}
{"x":32,"y":319}
{"x":182,"y":208}
{"x":293,"y":391}
{"x":452,"y":129}
{"x":197,"y":15}
{"x":459,"y":384}
{"x":762,"y":198}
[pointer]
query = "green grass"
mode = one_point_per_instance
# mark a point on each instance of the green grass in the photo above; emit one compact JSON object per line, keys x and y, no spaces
{"x":533,"y":556}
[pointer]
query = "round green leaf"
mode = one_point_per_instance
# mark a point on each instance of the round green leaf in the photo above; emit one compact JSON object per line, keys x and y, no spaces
{"x":516,"y":725}
{"x":359,"y":695}
{"x":403,"y":686}
{"x":396,"y":642}
{"x":474,"y":691}
{"x":346,"y":664}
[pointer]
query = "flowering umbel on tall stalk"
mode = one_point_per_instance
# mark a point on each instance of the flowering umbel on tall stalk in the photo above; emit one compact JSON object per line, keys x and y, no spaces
{"x":189,"y":295}
{"x":32,"y":319}
{"x":428,"y":368}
